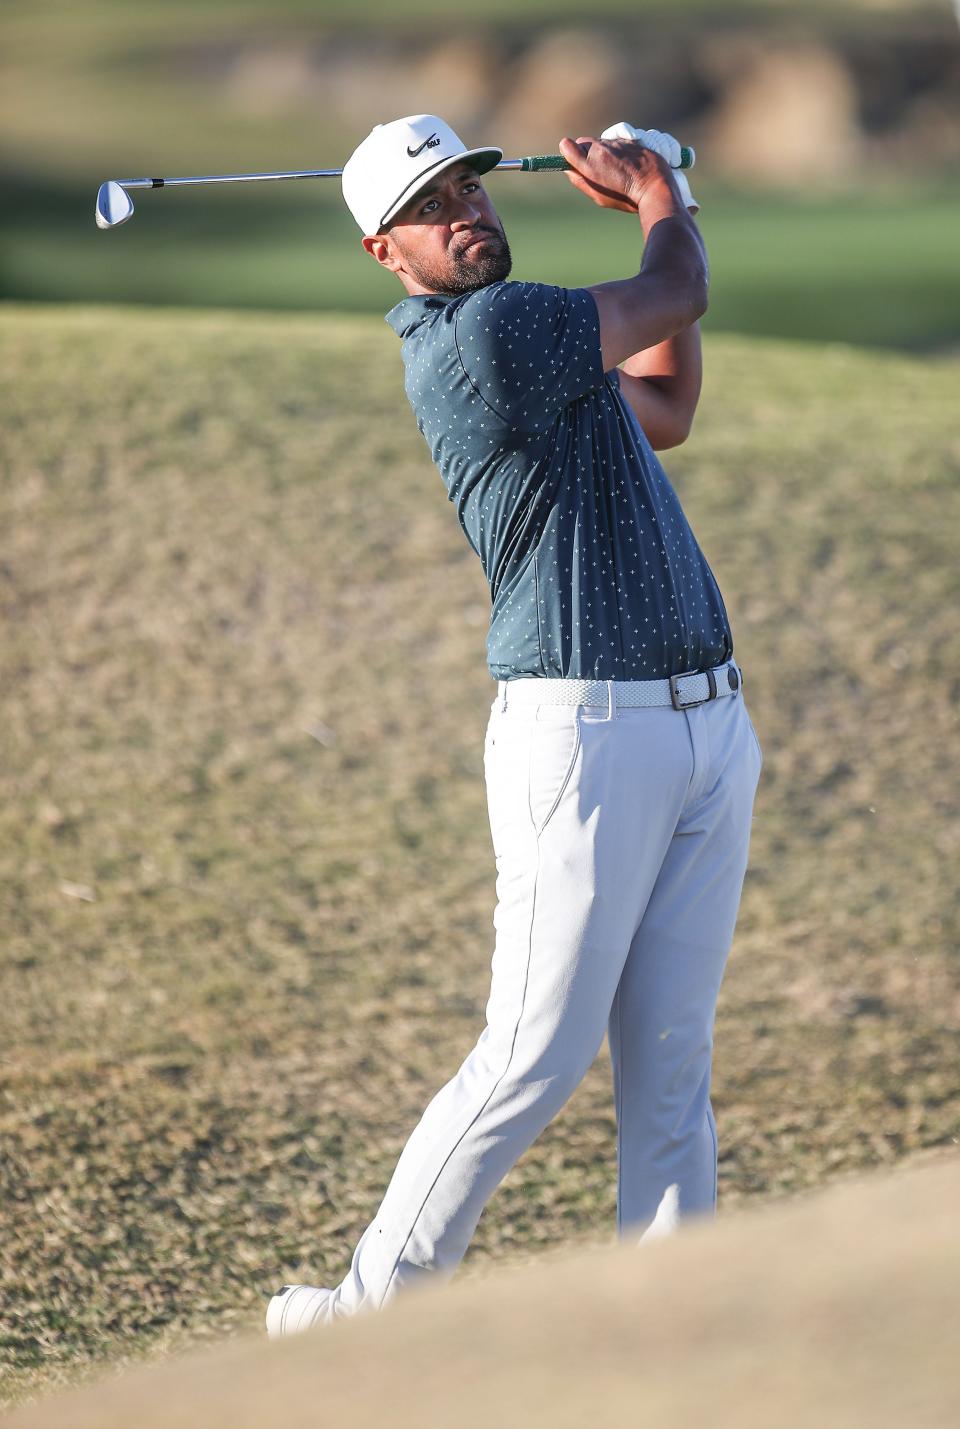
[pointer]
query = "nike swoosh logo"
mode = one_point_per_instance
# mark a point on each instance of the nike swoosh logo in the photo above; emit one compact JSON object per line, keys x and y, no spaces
{"x":431,"y":141}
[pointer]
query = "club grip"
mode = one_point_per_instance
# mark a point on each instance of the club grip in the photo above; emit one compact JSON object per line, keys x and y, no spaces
{"x":537,"y":163}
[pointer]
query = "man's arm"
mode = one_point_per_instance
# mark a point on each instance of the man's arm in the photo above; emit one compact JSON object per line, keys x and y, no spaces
{"x":662,"y":385}
{"x":669,"y":293}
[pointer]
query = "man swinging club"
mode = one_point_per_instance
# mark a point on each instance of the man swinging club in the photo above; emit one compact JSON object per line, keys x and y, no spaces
{"x":621,"y":763}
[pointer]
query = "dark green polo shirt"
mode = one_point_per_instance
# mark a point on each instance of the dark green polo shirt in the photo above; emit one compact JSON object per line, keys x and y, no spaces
{"x":593,"y":569}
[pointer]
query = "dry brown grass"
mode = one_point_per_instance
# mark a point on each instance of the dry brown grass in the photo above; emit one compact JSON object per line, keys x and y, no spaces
{"x":248,"y":890}
{"x":838,"y":1311}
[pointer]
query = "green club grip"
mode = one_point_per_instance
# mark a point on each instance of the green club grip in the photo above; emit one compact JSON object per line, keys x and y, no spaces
{"x":537,"y":163}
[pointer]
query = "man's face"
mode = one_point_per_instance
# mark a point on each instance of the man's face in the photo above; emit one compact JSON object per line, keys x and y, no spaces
{"x":447,"y":239}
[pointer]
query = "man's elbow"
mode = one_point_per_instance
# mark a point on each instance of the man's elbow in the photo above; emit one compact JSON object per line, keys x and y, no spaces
{"x":698,"y":299}
{"x":689,"y":305}
{"x":673,"y":429}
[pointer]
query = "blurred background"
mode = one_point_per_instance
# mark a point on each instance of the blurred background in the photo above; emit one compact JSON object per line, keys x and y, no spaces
{"x":828,"y":142}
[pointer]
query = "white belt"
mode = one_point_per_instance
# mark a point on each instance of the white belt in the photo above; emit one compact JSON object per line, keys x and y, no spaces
{"x":680,"y":691}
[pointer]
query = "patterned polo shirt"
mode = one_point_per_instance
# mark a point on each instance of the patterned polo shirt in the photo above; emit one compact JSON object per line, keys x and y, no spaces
{"x":593,"y":569}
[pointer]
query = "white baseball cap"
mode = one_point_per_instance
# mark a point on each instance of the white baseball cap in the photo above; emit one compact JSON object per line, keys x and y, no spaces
{"x":395,"y":160}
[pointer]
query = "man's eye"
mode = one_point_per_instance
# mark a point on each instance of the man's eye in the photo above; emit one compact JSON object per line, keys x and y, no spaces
{"x":429,"y":206}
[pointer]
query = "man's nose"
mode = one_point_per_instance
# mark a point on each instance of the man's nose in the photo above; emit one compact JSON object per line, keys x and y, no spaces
{"x":465,"y":215}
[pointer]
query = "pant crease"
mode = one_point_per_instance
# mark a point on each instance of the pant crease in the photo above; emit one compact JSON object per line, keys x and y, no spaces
{"x":619,"y":1113}
{"x":482,"y":1108}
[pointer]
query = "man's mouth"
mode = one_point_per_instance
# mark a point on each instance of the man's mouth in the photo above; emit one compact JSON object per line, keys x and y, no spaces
{"x":478,"y":238}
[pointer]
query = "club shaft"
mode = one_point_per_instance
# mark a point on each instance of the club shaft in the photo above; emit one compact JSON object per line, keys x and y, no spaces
{"x":532,"y":163}
{"x":226,"y":179}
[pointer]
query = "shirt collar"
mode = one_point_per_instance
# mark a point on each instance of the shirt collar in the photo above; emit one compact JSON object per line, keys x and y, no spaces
{"x":409,"y":313}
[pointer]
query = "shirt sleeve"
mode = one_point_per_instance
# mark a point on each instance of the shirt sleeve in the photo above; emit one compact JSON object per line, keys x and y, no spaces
{"x":529,"y":349}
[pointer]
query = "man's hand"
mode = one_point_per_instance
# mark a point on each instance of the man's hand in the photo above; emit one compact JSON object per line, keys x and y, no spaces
{"x":619,"y":173}
{"x":656,"y":139}
{"x":660,"y":143}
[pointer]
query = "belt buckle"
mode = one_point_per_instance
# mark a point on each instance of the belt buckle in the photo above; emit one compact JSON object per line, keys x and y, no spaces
{"x":691,"y":704}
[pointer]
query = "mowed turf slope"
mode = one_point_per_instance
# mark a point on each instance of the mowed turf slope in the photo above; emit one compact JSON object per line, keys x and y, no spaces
{"x":247,"y":885}
{"x":839,"y":1311}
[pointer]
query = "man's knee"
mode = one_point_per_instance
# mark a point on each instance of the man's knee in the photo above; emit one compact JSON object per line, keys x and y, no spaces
{"x":549,"y":1070}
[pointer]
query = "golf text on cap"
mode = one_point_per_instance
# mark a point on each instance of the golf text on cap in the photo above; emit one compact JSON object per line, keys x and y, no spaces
{"x":430,"y":143}
{"x":397,"y":159}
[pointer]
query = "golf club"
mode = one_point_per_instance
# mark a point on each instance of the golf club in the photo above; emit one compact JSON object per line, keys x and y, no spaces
{"x":115,"y":206}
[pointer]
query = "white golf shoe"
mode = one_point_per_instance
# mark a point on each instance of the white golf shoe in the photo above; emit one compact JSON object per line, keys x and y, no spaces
{"x":667,"y":1220}
{"x":295,"y":1308}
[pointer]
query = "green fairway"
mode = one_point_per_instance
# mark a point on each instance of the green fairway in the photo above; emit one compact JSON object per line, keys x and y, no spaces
{"x":248,"y":885}
{"x":862,"y":267}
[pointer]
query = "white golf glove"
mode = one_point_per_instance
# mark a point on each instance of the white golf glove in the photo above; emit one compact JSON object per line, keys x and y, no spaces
{"x":665,"y":145}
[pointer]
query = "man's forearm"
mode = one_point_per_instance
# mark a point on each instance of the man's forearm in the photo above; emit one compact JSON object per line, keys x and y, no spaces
{"x":662,"y":383}
{"x":672,"y":242}
{"x":671,"y":365}
{"x":662,"y":386}
{"x":669,"y":293}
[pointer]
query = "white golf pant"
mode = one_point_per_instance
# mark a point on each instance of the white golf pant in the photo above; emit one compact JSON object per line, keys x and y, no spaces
{"x":621,"y":840}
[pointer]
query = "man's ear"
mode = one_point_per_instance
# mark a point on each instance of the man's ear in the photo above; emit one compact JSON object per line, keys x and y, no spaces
{"x":378,"y":245}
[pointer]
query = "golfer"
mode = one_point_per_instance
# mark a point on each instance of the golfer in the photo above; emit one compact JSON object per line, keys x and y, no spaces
{"x":621,"y":763}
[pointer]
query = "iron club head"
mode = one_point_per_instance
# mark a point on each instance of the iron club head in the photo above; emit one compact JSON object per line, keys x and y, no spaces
{"x":114,"y":205}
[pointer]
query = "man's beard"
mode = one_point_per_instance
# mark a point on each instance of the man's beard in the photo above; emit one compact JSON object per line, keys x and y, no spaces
{"x":462,"y":274}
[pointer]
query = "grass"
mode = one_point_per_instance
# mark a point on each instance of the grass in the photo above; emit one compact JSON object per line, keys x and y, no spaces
{"x":248,"y":890}
{"x":866,"y":267}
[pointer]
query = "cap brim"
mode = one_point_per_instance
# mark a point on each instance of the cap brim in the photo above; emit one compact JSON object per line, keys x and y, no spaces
{"x":480,"y":159}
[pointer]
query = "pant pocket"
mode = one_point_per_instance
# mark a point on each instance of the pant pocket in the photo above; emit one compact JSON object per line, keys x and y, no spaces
{"x":553,"y":753}
{"x":753,"y":733}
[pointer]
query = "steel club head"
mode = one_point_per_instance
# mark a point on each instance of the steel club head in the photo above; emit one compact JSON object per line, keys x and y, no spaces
{"x":114,"y":205}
